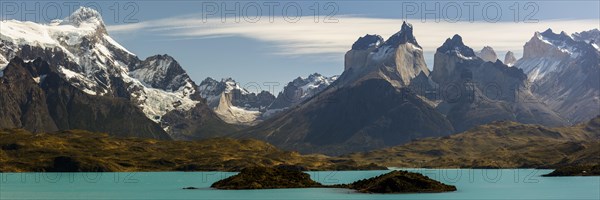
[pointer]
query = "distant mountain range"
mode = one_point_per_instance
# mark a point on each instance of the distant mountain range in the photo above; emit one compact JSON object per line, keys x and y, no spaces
{"x":369,"y":106}
{"x":475,"y":91}
{"x":565,"y":72}
{"x":70,"y":74}
{"x":387,"y":96}
{"x":236,"y":105}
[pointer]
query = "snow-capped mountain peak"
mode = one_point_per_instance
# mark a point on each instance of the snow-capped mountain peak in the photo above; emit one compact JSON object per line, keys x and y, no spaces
{"x":163,"y":72}
{"x":300,"y":89}
{"x":559,"y":45}
{"x":592,"y":37}
{"x":398,"y":60}
{"x":90,"y":60}
{"x":235,"y":104}
{"x":232,"y":85}
{"x":564,"y":69}
{"x":312,"y":84}
{"x":85,"y":16}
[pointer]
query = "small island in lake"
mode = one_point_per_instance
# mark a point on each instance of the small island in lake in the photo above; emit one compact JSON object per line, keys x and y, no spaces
{"x":580,"y":170}
{"x":266,"y":178}
{"x":400,"y":182}
{"x":280,"y":177}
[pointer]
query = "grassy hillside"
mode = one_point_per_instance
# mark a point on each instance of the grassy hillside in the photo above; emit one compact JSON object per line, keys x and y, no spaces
{"x":497,"y":145}
{"x":22,"y":151}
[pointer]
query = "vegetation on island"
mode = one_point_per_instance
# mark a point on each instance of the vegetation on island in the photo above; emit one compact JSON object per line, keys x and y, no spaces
{"x":267,"y":178}
{"x":579,"y":170}
{"x":278,"y":177}
{"x":400,"y":182}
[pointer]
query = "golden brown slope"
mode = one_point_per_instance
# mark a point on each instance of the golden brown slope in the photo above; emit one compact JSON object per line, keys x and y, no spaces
{"x":497,"y":145}
{"x":22,"y":151}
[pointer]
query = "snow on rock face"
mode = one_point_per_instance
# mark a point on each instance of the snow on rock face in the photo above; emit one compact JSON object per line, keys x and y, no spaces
{"x":162,"y":72}
{"x":405,"y":35}
{"x":211,"y":89}
{"x":300,"y":89}
{"x":545,"y":51}
{"x":95,"y":63}
{"x":564,"y":70}
{"x":456,"y":46}
{"x":236,"y":105}
{"x":357,"y":56}
{"x":3,"y":63}
{"x":488,"y":54}
{"x":152,"y":71}
{"x":546,"y":44}
{"x":367,"y":41}
{"x":591,"y":36}
{"x":81,"y":46}
{"x":85,"y":17}
{"x":399,"y":59}
{"x":231,"y":85}
{"x":233,"y":103}
{"x":312,"y":84}
{"x":42,"y":35}
{"x":155,"y":103}
{"x":537,"y":68}
{"x":456,"y":65}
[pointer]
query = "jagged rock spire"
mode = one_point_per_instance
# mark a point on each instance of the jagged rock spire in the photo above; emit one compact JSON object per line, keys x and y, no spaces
{"x":509,"y":58}
{"x":405,"y":35}
{"x":456,"y":44}
{"x":488,"y":54}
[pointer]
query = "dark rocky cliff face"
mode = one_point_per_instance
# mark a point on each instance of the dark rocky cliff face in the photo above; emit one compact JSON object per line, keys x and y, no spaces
{"x":35,"y":97}
{"x":367,"y":116}
{"x":22,"y":101}
{"x":475,"y":92}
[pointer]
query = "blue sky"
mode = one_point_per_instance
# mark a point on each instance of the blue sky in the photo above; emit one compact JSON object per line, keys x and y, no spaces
{"x":279,"y":46}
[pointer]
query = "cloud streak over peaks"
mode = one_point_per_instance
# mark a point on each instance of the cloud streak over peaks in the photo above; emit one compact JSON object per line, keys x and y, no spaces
{"x":306,"y":37}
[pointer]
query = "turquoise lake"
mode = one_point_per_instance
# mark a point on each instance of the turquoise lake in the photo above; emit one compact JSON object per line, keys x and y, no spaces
{"x":471,"y":184}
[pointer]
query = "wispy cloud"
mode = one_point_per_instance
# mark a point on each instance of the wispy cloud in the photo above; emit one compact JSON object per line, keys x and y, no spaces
{"x":306,"y":37}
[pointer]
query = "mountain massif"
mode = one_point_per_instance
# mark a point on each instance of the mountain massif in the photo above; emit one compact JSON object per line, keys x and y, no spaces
{"x":565,"y":72}
{"x":387,"y":96}
{"x":70,"y":74}
{"x":236,"y":105}
{"x":475,"y":91}
{"x":80,"y":53}
{"x":34,"y":96}
{"x":367,"y":107}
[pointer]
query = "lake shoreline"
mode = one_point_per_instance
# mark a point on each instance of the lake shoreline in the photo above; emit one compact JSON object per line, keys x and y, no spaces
{"x":471,"y":184}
